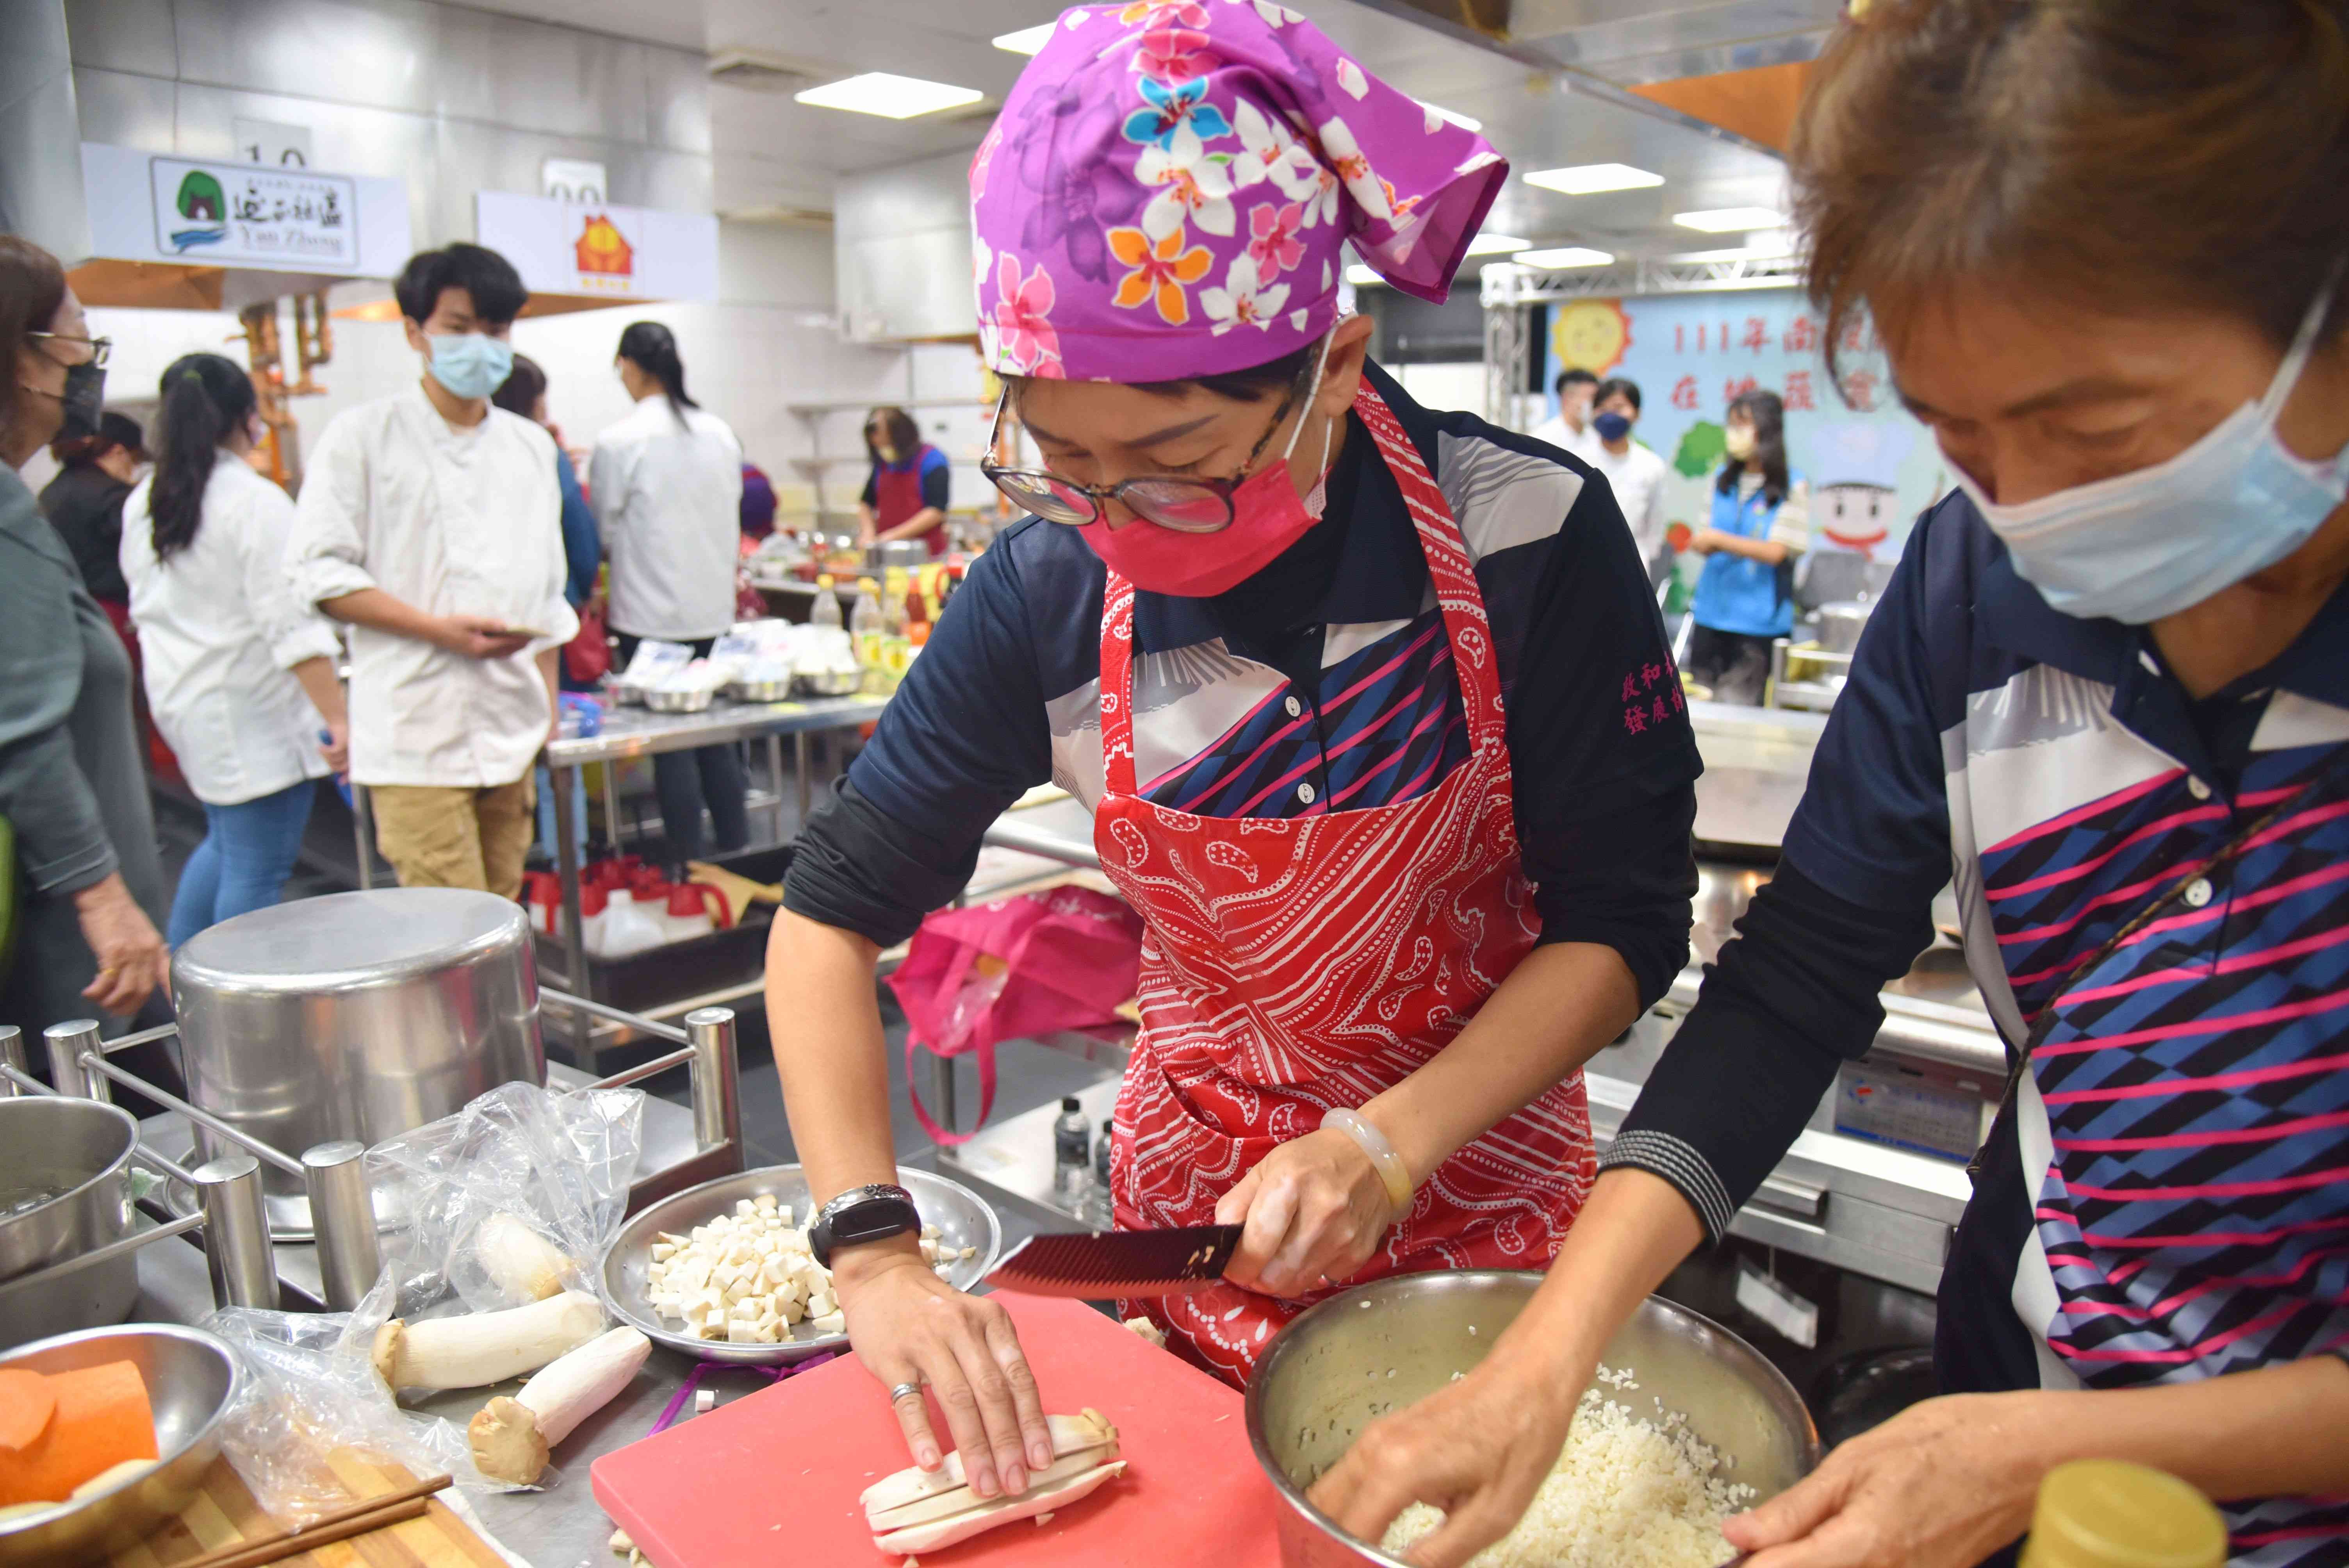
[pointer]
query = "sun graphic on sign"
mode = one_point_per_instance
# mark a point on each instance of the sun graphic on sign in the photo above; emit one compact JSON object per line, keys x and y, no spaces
{"x":1591,"y":334}
{"x":603,"y":248}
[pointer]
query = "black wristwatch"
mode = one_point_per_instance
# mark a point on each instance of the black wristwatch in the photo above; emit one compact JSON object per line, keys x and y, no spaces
{"x":862,"y":1214}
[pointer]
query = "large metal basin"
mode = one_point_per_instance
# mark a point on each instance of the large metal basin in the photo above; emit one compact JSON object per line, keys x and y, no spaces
{"x":64,"y":1189}
{"x":191,"y":1379}
{"x":355,"y":1015}
{"x":1325,"y":1379}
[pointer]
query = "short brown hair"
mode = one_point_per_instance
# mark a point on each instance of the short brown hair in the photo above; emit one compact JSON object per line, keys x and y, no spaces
{"x":2186,"y":152}
{"x":32,"y":287}
{"x":899,"y":425}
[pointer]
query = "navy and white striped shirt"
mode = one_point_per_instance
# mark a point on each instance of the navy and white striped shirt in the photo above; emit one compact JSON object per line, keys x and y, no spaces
{"x":1324,"y":683}
{"x":2166,"y":1199}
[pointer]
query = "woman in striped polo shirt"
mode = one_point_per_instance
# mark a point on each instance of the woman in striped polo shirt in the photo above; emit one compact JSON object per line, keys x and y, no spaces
{"x":2104,"y":241}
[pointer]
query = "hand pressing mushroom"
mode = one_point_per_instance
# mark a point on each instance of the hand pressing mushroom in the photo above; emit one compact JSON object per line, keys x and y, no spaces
{"x":918,"y":1510}
{"x":523,"y":1264}
{"x":485,"y":1346}
{"x":511,"y":1437}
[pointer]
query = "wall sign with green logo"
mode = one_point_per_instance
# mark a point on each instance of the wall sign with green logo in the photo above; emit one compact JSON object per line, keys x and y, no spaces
{"x":245,"y":213}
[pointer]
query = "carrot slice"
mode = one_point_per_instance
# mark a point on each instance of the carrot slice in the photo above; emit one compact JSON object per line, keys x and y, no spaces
{"x":26,"y":1405}
{"x":102,"y":1417}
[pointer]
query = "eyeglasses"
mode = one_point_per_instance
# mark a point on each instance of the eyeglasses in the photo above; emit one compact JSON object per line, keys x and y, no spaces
{"x":101,"y":349}
{"x":1184,"y":505}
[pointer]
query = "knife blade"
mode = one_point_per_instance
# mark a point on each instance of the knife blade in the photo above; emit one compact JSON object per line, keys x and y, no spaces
{"x":1094,"y":1265}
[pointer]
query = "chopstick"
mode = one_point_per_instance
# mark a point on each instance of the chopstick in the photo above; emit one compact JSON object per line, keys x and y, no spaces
{"x":357,"y":1519}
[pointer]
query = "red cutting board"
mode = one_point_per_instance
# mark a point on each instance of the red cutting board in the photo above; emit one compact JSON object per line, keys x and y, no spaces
{"x":774,"y":1478}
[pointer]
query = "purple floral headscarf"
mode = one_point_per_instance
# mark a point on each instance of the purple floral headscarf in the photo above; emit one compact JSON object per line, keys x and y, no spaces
{"x":1170,"y":186}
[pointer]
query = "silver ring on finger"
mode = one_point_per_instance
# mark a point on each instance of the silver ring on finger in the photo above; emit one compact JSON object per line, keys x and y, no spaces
{"x":904,"y":1390}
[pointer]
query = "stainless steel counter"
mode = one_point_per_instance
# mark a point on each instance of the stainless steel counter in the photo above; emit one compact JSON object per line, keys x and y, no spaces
{"x":631,"y":731}
{"x":563,"y":1527}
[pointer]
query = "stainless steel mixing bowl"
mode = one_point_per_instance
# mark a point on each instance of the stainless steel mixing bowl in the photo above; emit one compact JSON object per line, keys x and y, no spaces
{"x":962,"y":1216}
{"x":191,"y":1379}
{"x":64,"y":1189}
{"x":1366,"y":1352}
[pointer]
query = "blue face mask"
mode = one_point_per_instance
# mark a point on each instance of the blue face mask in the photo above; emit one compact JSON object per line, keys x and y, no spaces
{"x":1612,"y":426}
{"x":471,"y":363}
{"x":2146,"y":545}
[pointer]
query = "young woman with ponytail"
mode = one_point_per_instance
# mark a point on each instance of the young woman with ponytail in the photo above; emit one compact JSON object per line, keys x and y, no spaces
{"x":667,"y":487}
{"x":240,"y":672}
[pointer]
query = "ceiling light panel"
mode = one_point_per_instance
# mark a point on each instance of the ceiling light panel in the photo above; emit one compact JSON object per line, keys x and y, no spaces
{"x":1461,"y":121}
{"x":1494,"y":246}
{"x":1590,"y":179}
{"x":1026,"y":41}
{"x":1565,"y":256}
{"x":889,"y":97}
{"x":1362,"y":276}
{"x":1727,"y":220}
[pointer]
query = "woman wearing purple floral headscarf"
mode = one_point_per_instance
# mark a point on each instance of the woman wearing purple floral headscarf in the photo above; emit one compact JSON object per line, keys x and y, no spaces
{"x":1370,"y":704}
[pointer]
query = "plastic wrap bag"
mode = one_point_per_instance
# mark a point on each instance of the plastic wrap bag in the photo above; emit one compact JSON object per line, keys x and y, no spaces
{"x":308,"y":1391}
{"x":549,"y":1165}
{"x":558,"y":1163}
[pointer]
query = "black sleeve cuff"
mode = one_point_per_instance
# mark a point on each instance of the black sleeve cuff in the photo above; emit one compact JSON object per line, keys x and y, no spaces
{"x":1626,"y":885}
{"x":855,"y":868}
{"x":1661,"y":1154}
{"x":1795,"y":996}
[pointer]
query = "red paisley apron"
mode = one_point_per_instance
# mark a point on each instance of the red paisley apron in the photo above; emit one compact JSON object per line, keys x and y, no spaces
{"x":1292,"y":966}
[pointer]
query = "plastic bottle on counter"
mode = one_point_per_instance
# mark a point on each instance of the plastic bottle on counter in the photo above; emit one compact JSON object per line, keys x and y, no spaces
{"x":825,"y":611}
{"x":2107,"y":1513}
{"x":865,"y":632}
{"x":1073,"y":1138}
{"x":893,"y":622}
{"x":1098,"y":1211}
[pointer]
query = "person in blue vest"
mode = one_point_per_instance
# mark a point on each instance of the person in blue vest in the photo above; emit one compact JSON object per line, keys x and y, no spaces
{"x":906,"y":496}
{"x":1761,"y":523}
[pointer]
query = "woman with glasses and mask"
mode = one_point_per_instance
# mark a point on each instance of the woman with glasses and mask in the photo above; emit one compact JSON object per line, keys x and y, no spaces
{"x":88,"y":884}
{"x":2105,"y":244}
{"x":1370,"y":704}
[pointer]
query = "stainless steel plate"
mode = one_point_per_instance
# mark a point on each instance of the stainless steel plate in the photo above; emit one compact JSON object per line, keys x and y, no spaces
{"x":192,"y":1378}
{"x":962,"y":1216}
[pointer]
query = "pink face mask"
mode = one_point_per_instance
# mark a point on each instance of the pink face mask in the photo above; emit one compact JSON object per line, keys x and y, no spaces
{"x":1267,"y":517}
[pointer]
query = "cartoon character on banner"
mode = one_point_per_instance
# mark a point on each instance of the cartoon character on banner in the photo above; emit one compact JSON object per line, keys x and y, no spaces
{"x":1854,"y":499}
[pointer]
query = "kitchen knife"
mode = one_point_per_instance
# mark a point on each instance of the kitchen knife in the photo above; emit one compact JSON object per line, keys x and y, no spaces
{"x":1094,"y":1266}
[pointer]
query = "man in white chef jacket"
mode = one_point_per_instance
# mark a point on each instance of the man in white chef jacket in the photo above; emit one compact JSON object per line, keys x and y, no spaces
{"x":431,"y":523}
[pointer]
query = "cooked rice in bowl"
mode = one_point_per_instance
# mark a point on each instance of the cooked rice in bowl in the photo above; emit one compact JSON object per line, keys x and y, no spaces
{"x":1628,"y":1492}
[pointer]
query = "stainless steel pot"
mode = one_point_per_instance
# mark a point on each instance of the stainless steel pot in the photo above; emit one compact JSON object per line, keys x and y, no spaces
{"x":1368,"y":1351}
{"x":355,"y":1015}
{"x":1840,"y":624}
{"x":905,"y":553}
{"x":64,"y":1189}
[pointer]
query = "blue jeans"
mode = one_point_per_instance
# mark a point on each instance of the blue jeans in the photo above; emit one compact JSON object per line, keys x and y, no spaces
{"x":578,"y":812}
{"x":242,"y":865}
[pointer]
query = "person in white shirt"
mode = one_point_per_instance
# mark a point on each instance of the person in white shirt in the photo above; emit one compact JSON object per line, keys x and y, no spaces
{"x":1634,"y":472}
{"x":1568,"y":429}
{"x":665,"y":484}
{"x":431,"y":523}
{"x":240,"y":673}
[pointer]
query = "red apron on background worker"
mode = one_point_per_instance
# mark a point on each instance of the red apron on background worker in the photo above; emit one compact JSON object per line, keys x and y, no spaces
{"x":1370,"y":704}
{"x":906,"y":497}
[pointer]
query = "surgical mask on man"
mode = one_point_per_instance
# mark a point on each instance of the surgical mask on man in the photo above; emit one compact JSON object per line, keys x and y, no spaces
{"x":1612,"y":426}
{"x":471,"y":363}
{"x":2142,"y":545}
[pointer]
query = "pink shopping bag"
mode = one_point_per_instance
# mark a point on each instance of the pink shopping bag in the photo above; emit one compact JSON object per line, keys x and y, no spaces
{"x":1014,"y":969}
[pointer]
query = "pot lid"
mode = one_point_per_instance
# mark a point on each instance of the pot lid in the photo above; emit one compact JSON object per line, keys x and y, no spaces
{"x":343,"y":939}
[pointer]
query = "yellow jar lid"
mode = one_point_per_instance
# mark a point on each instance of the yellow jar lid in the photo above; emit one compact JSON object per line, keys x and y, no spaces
{"x":2108,"y":1513}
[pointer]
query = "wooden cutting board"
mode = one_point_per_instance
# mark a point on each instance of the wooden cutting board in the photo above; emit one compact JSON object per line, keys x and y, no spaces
{"x":224,"y":1512}
{"x":774,"y":1478}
